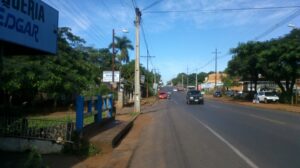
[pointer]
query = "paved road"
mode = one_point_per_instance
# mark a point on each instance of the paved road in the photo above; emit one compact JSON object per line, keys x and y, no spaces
{"x":218,"y":134}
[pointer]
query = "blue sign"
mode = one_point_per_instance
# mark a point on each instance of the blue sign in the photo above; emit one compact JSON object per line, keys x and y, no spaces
{"x":30,"y":23}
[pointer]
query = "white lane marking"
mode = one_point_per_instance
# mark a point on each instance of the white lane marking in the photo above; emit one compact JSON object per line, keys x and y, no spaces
{"x":214,"y":106}
{"x":174,"y":101}
{"x":267,"y":119}
{"x":235,"y":150}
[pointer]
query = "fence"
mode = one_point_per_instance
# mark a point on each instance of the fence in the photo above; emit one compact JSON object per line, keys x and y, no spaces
{"x":13,"y":124}
{"x":96,"y":107}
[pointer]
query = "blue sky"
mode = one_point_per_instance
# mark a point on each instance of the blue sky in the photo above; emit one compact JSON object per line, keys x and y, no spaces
{"x":177,"y":40}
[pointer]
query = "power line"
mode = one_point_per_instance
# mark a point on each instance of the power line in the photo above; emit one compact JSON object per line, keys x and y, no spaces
{"x":95,"y":28}
{"x":277,"y":25}
{"x":126,"y":3}
{"x":207,"y":63}
{"x":109,"y":11}
{"x":151,"y":5}
{"x":70,"y":14}
{"x":134,"y":3}
{"x":226,"y":10}
{"x":144,"y":37}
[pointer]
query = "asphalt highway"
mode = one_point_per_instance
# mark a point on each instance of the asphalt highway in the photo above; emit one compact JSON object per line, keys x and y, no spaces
{"x":217,"y":134}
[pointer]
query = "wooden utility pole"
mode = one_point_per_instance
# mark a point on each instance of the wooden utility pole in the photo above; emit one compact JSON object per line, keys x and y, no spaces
{"x":216,"y":65}
{"x":113,"y":57}
{"x":196,"y":81}
{"x":187,"y":77}
{"x":147,"y":80}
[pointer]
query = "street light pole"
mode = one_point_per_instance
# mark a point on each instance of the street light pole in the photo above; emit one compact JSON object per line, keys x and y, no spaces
{"x":137,"y":87}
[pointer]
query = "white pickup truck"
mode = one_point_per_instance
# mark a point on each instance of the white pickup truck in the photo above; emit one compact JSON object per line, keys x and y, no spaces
{"x":266,"y":96}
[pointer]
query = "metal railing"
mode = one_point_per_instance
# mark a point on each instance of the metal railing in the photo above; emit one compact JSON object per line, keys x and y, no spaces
{"x":59,"y":131}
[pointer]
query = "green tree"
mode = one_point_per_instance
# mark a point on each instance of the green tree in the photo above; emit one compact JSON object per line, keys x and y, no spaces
{"x":72,"y":71}
{"x":245,"y":62}
{"x":123,"y":44}
{"x":277,"y":60}
{"x":280,"y":62}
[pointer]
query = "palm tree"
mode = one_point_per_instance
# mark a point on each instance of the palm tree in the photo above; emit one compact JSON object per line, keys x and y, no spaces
{"x":123,"y":44}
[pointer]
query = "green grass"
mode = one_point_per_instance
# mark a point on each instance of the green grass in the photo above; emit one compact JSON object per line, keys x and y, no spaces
{"x":133,"y":114}
{"x":44,"y":121}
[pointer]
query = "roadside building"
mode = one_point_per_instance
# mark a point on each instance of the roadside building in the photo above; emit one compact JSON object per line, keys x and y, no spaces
{"x":213,"y":81}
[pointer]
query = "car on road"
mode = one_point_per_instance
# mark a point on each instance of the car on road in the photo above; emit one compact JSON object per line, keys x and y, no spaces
{"x":175,"y":90}
{"x":217,"y":93}
{"x":194,"y":96}
{"x":267,"y":96}
{"x":163,"y":95}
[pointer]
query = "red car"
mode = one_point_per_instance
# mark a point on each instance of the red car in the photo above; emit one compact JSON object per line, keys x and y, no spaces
{"x":162,"y":95}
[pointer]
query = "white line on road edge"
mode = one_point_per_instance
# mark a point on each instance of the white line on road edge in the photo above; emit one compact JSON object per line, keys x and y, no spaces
{"x":239,"y":153}
{"x":267,"y":119}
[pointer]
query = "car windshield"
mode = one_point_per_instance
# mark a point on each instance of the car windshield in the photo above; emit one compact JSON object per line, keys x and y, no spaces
{"x":195,"y":92}
{"x":270,"y":94}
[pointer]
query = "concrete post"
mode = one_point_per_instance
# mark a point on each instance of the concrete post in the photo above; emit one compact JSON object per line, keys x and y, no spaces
{"x":99,"y":109}
{"x":111,"y":106}
{"x":120,"y":99}
{"x":137,"y":87}
{"x":90,"y":106}
{"x":79,"y":113}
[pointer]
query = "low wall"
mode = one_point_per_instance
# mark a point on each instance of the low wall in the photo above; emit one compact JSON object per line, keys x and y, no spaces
{"x":21,"y":144}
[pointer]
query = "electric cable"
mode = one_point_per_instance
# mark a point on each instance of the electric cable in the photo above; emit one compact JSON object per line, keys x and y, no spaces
{"x":279,"y":24}
{"x":226,"y":9}
{"x":151,"y":5}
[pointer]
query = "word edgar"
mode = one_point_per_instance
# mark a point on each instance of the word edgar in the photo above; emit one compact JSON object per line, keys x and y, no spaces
{"x":27,"y":7}
{"x":10,"y":21}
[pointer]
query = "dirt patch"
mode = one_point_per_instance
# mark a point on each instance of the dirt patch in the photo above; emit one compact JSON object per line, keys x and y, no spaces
{"x":149,"y":100}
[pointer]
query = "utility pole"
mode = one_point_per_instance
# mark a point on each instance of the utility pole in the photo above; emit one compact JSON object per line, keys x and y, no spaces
{"x":113,"y":57}
{"x":147,"y":81}
{"x":196,"y":82}
{"x":137,"y":87}
{"x":216,"y":65}
{"x":182,"y":80}
{"x":187,"y":77}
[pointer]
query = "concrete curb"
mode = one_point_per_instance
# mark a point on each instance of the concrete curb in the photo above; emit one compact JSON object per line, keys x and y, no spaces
{"x":118,"y":138}
{"x":121,"y":158}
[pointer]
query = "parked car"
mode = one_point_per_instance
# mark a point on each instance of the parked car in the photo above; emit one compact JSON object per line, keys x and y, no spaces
{"x":230,"y":93}
{"x":194,"y":96}
{"x":175,"y":89}
{"x":267,"y":96}
{"x":218,"y":94}
{"x":163,"y":95}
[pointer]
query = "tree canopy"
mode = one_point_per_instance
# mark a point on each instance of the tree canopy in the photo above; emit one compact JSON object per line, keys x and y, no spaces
{"x":276,"y":60}
{"x":75,"y":69}
{"x":123,"y":44}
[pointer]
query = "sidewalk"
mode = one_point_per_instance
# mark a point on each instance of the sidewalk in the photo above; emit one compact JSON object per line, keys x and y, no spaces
{"x":105,"y":138}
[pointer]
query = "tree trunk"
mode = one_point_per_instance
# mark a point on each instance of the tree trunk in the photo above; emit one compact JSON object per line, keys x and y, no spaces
{"x":55,"y":103}
{"x":280,"y":86}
